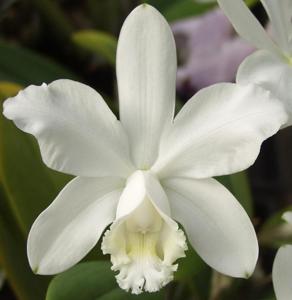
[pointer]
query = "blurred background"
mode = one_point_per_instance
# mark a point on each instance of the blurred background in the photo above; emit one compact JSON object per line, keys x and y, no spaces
{"x":44,"y":40}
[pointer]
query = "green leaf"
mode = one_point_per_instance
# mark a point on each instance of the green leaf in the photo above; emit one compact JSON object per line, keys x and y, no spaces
{"x":193,"y":271}
{"x":175,"y":10}
{"x":190,"y":266}
{"x":23,"y":174}
{"x":251,"y":2}
{"x":8,"y":89}
{"x":25,"y":284}
{"x":97,"y":42}
{"x":26,"y":67}
{"x":238,"y":185}
{"x":91,"y":281}
{"x":186,"y":8}
{"x":118,"y":294}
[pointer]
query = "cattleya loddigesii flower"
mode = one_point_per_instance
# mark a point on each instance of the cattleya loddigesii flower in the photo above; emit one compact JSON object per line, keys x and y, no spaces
{"x":147,"y":171}
{"x":282,"y":268}
{"x":271,"y":66}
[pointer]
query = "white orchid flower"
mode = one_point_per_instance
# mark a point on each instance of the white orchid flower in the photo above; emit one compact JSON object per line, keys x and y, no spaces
{"x":271,"y":66}
{"x":282,"y":268}
{"x":145,"y":172}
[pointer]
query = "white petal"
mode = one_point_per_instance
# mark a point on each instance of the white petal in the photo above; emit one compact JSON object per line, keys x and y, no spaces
{"x":216,"y":225}
{"x":282,"y":273}
{"x":141,"y":184}
{"x":219,"y":131}
{"x":287,"y":216}
{"x":246,"y":25}
{"x":132,"y":195}
{"x":76,"y":131}
{"x":71,"y":226}
{"x":271,"y":73}
{"x":146,"y":72}
{"x":280,"y":13}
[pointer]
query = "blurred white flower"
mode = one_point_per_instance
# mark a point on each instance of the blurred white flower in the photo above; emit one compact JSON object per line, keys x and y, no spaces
{"x":282,"y":268}
{"x":148,"y":169}
{"x":210,"y":51}
{"x":271,"y":66}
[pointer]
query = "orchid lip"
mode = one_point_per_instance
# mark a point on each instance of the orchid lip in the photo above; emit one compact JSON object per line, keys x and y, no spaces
{"x":138,"y":251}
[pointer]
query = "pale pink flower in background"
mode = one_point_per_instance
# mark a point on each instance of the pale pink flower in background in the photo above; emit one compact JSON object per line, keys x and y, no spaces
{"x":209,"y":49}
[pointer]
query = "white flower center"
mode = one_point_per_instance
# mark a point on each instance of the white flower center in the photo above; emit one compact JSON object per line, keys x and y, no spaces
{"x":143,"y":247}
{"x":144,"y":219}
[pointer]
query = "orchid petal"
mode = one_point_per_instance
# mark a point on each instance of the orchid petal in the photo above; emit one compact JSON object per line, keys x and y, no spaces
{"x":282,"y":273}
{"x":217,"y":226}
{"x":219,"y":131}
{"x":247,"y":26}
{"x":146,"y":73}
{"x":71,"y":226}
{"x":287,"y":216}
{"x":270,"y":72}
{"x":76,"y":131}
{"x":280,"y":14}
{"x":141,"y":185}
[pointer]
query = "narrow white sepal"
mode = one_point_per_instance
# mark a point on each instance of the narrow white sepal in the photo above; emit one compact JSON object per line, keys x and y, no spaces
{"x":282,"y":273}
{"x":247,"y":26}
{"x":280,"y":13}
{"x":146,"y":74}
